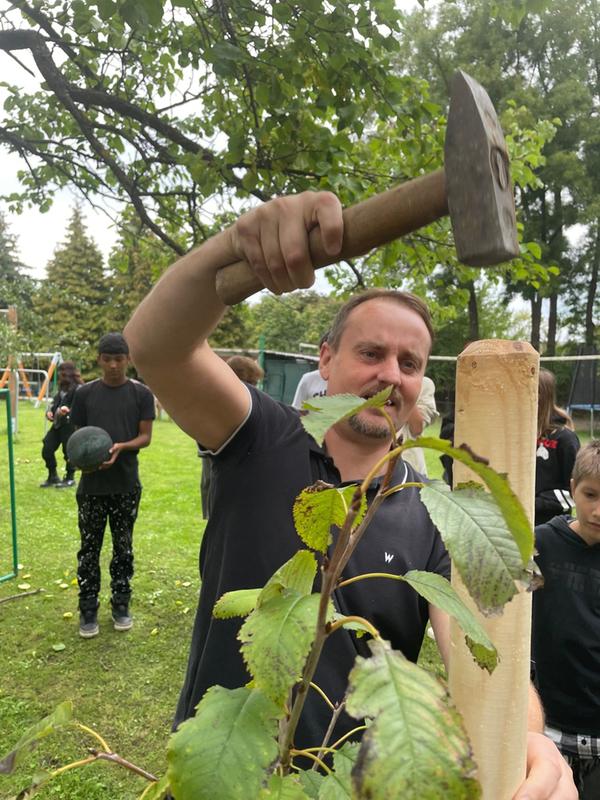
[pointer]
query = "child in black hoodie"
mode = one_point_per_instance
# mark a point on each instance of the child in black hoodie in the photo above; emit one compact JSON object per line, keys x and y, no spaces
{"x":566,"y":625}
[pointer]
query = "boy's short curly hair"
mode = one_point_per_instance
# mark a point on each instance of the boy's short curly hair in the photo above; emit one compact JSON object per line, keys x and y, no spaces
{"x":587,"y":462}
{"x":247,"y":369}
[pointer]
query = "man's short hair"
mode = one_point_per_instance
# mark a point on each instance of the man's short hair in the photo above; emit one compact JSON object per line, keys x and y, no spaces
{"x":113,"y":344}
{"x":408,"y":300}
{"x":587,"y":462}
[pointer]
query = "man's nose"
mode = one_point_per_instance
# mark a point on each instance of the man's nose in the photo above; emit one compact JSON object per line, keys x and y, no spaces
{"x":390,"y":373}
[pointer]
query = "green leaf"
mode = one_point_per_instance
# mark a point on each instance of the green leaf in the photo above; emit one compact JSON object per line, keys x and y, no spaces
{"x":159,"y":790}
{"x":438,"y":591}
{"x":338,"y":786}
{"x":106,"y":9}
{"x":323,"y":412}
{"x":141,"y":13}
{"x":298,"y":573}
{"x":508,"y":502}
{"x":61,"y":715}
{"x":534,"y":249}
{"x":283,"y":788}
{"x":403,"y":699}
{"x":312,"y":782}
{"x":236,"y":604}
{"x":319,"y":507}
{"x":479,"y":542}
{"x":276,"y":639}
{"x":226,"y":750}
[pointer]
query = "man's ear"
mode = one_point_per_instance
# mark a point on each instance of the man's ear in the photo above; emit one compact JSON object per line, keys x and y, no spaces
{"x":325,"y":360}
{"x":572,"y":486}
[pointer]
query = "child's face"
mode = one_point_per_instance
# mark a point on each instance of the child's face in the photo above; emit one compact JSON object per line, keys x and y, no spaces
{"x":586,"y":495}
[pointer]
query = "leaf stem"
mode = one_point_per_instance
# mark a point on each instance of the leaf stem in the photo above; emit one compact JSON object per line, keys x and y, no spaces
{"x":93,"y":733}
{"x":358,"y":728}
{"x":72,"y":765}
{"x":315,"y":758}
{"x":320,"y":691}
{"x":146,"y":790}
{"x":339,"y":623}
{"x":366,"y":575}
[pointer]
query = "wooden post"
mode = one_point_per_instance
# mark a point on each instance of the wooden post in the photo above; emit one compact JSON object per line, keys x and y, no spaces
{"x":47,"y":379}
{"x":496,"y":415}
{"x":25,"y":380}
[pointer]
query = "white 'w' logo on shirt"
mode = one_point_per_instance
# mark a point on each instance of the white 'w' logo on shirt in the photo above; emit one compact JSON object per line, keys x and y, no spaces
{"x":388,"y":557}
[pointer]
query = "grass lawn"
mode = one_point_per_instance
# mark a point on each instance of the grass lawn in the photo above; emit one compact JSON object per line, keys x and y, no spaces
{"x":123,"y":685}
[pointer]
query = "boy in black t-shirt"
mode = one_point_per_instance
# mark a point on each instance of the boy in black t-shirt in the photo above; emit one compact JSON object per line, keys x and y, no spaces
{"x":125,"y":409}
{"x":566,"y":625}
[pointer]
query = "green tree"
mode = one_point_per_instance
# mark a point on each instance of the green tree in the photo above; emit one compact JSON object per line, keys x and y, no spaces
{"x":235,"y":329}
{"x":286,"y":321}
{"x":141,"y":92}
{"x":73,"y":300}
{"x":188,"y":112}
{"x":134,"y":264}
{"x":545,"y":64}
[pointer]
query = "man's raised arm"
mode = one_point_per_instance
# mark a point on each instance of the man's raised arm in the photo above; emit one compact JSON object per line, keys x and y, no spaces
{"x":167,"y":334}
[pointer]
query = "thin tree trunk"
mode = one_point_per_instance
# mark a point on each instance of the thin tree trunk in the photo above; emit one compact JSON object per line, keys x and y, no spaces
{"x":536,"y":319}
{"x":592,"y":288}
{"x":473,"y":313}
{"x":552,"y":324}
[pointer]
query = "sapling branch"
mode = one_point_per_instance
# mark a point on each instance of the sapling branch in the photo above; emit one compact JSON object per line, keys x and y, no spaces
{"x":330,"y":728}
{"x":115,"y":758}
{"x":345,"y":544}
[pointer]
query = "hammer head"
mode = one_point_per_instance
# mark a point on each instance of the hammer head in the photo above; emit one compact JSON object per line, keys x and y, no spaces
{"x":480,"y":192}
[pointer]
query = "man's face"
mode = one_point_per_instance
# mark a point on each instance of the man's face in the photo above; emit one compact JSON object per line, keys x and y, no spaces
{"x":384,"y":343}
{"x":114,"y":367}
{"x":586,"y":495}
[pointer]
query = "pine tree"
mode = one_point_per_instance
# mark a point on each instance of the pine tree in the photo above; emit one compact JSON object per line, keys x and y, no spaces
{"x":74,"y":299}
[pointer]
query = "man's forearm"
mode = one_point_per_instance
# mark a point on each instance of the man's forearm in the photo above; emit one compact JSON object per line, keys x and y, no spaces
{"x":141,"y":441}
{"x":183,"y":308}
{"x":535,"y":712}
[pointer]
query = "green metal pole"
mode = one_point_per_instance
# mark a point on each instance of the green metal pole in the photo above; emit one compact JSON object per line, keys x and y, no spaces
{"x":261,"y":357}
{"x":5,"y":395}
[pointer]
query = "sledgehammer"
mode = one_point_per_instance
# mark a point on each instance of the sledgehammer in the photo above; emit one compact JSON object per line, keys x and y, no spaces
{"x":474,"y":187}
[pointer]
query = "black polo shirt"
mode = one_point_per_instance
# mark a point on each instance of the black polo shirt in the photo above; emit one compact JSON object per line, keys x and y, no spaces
{"x":250,"y":534}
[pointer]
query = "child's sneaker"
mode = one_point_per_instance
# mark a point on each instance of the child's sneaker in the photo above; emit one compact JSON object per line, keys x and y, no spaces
{"x":88,"y":624}
{"x":51,"y":480}
{"x":122,"y":620}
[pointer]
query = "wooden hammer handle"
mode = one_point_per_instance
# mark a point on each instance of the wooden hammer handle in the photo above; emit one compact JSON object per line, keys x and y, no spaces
{"x":376,"y":221}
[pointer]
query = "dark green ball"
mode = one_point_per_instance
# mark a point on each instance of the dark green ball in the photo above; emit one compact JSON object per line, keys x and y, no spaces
{"x":89,"y":447}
